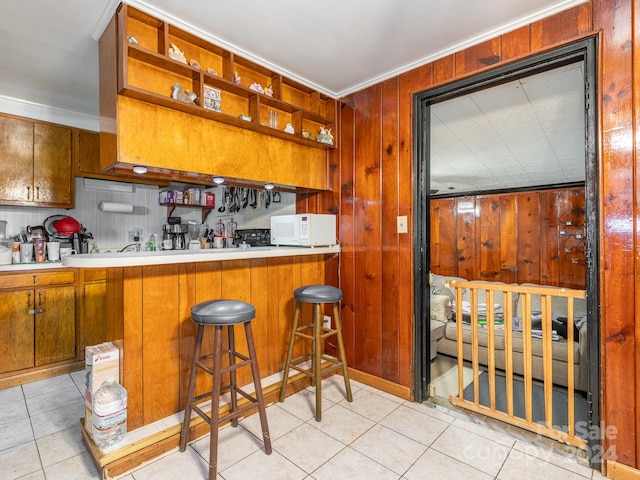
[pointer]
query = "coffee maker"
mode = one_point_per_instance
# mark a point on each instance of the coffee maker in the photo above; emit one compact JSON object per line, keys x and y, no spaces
{"x":174,"y":237}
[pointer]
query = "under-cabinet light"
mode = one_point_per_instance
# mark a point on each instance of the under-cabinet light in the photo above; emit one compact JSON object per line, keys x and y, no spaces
{"x":269,"y":186}
{"x":218,"y":180}
{"x":140,"y":170}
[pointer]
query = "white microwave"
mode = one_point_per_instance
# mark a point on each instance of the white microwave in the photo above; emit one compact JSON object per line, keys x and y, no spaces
{"x":303,"y":230}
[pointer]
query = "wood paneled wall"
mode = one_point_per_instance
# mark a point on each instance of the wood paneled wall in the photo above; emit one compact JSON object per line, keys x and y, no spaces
{"x":373,"y":182}
{"x":525,"y":237}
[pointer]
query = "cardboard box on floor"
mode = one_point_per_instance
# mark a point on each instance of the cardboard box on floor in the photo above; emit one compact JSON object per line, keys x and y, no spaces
{"x":101,"y":362}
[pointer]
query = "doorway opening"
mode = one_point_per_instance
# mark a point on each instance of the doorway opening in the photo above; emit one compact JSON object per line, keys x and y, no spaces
{"x":431,"y":181}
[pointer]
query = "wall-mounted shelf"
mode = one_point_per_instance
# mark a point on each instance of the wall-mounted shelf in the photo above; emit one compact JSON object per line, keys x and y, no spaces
{"x":147,"y":73}
{"x":172,"y":206}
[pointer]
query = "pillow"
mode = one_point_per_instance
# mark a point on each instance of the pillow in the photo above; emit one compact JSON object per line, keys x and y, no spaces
{"x":438,"y":285}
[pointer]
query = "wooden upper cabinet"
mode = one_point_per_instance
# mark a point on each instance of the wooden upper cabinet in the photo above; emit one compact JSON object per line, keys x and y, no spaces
{"x":86,"y":155}
{"x":233,"y":137}
{"x":52,"y":173}
{"x":35,"y":163}
{"x":16,"y":160}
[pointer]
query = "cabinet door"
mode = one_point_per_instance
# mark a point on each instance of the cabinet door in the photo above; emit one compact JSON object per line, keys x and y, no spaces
{"x":52,"y":178}
{"x":55,"y":324}
{"x":16,"y":159}
{"x":95,"y":319}
{"x":87,"y":157}
{"x":16,"y":330}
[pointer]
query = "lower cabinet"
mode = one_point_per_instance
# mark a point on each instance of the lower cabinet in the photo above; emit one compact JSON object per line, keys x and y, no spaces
{"x":94,"y":306}
{"x":55,"y":325}
{"x":16,"y":331}
{"x":37,"y":321}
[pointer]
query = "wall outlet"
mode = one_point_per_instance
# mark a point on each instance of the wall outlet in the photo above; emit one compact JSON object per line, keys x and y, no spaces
{"x":326,"y":321}
{"x":403,"y":227}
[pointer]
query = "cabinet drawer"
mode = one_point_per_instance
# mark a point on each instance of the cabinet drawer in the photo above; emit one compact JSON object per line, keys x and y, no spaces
{"x":95,"y":275}
{"x":37,"y":279}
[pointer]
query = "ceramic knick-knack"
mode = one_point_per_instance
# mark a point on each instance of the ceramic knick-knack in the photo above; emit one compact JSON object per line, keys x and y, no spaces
{"x":176,"y":54}
{"x":325,"y":136}
{"x":178,"y":94}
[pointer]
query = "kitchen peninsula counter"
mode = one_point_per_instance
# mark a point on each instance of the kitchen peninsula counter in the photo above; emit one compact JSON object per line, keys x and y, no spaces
{"x":149,"y":296}
{"x":168,"y":257}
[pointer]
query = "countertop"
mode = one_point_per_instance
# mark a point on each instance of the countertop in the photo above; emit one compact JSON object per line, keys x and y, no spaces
{"x":17,"y":267}
{"x":134,"y":259}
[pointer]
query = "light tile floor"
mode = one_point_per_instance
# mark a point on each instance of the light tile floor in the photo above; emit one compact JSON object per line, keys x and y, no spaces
{"x":376,"y":437}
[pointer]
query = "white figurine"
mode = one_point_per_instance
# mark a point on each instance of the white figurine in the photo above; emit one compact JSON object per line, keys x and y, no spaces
{"x":289,"y":128}
{"x":176,"y":54}
{"x":256,"y":87}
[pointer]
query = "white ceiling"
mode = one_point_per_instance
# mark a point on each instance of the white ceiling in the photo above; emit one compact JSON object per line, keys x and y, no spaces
{"x":50,"y":53}
{"x":519,"y":134}
{"x":337,"y":46}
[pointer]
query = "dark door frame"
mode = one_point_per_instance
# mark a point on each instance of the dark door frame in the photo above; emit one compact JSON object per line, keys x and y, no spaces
{"x":584,"y":50}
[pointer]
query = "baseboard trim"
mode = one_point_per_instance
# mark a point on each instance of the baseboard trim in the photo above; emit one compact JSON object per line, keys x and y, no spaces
{"x":619,"y":471}
{"x":380,"y":383}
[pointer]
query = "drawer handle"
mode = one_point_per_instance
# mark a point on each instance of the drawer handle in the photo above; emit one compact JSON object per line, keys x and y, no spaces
{"x":33,"y":311}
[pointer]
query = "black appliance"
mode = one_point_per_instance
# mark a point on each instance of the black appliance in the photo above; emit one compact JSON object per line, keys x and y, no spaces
{"x":255,"y":237}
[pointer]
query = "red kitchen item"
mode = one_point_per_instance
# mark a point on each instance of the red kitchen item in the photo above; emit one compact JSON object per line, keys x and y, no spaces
{"x":68,"y":226}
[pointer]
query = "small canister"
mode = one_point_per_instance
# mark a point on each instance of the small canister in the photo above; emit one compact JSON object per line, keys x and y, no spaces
{"x":15,"y":253}
{"x":218,"y":241}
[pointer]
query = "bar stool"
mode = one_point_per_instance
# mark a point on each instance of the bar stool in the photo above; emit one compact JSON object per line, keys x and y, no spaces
{"x":221,"y":313}
{"x":317,"y":295}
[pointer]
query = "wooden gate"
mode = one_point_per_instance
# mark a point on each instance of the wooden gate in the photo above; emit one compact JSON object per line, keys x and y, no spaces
{"x":484,"y":320}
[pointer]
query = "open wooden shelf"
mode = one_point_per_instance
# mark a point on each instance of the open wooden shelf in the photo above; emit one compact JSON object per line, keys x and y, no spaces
{"x":147,"y":73}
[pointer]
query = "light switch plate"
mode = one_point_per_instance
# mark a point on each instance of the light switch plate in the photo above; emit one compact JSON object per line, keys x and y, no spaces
{"x":402,"y":224}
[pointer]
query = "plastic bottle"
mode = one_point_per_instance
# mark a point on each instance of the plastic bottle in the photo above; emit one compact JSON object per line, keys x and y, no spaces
{"x":109,"y":415}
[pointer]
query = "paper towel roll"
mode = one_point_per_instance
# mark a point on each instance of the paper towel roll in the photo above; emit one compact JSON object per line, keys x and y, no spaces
{"x":115,"y":207}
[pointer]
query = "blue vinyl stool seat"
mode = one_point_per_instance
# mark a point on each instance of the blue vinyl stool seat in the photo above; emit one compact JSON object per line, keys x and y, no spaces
{"x":317,"y":295}
{"x":219,"y":314}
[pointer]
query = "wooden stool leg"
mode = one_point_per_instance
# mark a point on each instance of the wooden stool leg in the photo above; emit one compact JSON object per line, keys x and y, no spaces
{"x":184,"y":433}
{"x":285,"y":378}
{"x":317,"y":358}
{"x":258,"y":388}
{"x":343,"y":357}
{"x":215,"y":402}
{"x":232,"y":375}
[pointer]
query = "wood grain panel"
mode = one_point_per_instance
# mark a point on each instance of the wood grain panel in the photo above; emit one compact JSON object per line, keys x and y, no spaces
{"x":391,"y":283}
{"x":348,"y":280}
{"x":55,"y":334}
{"x":443,"y":69}
{"x":549,"y":241}
{"x":368,"y":223}
{"x":417,"y":80}
{"x":488,"y":245}
{"x":508,"y":239}
{"x":560,"y":27}
{"x":528,"y":238}
{"x":259,"y":298}
{"x":614,"y":20}
{"x":516,"y":237}
{"x":517,"y":43}
{"x":466,"y":237}
{"x":131,"y":322}
{"x":477,"y":57}
{"x":284,"y":275}
{"x":161,"y":342}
